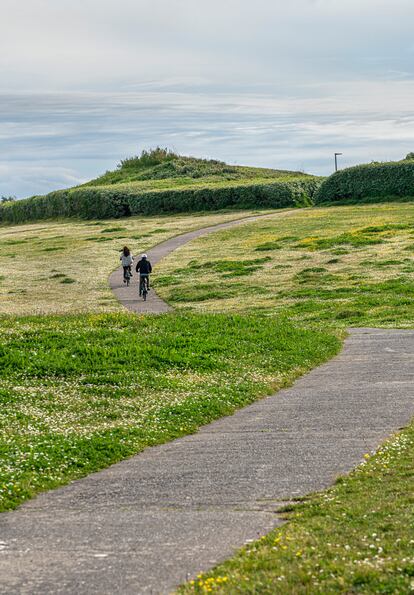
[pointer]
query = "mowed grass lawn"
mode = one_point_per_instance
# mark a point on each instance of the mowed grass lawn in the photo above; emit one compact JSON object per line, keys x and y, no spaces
{"x":57,"y":267}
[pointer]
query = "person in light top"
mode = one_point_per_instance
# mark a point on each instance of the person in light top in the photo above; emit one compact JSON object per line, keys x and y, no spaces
{"x":127,"y":259}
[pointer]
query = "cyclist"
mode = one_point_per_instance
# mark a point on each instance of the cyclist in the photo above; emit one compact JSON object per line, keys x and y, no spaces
{"x":127,"y":259}
{"x":144,"y":269}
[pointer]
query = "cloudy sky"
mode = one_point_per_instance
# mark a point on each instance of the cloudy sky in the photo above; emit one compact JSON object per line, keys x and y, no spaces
{"x":84,"y":83}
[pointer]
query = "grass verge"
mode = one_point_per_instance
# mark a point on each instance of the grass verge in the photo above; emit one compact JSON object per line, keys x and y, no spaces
{"x":356,"y":537}
{"x":78,"y":393}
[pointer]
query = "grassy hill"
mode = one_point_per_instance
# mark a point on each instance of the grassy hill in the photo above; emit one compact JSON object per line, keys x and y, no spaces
{"x":160,"y":181}
{"x":160,"y":164}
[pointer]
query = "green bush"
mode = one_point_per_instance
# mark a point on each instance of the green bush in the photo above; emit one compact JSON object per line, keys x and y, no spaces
{"x":89,"y":202}
{"x":394,"y":179}
{"x":148,"y":159}
{"x":272,"y":195}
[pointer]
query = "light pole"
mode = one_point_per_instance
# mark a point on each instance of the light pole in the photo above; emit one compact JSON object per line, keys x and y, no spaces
{"x":336,"y":160}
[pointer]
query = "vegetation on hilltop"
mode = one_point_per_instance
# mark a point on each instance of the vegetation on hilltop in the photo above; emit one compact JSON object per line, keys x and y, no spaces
{"x":163,"y":164}
{"x":160,"y":181}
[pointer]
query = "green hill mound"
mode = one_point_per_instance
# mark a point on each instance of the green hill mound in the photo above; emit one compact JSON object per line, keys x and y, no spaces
{"x":161,"y":164}
{"x":160,"y":181}
{"x":394,"y":179}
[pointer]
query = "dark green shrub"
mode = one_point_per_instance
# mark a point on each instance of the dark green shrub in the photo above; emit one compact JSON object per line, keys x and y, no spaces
{"x":102,"y":202}
{"x":394,"y":179}
{"x":291,"y":193}
{"x":87,"y":203}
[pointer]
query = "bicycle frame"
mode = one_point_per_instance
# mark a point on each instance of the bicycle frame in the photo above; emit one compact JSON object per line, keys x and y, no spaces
{"x":143,"y":286}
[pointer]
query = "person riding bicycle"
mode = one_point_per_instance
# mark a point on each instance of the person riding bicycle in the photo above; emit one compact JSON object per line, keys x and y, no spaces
{"x":127,"y":259}
{"x":144,"y":269}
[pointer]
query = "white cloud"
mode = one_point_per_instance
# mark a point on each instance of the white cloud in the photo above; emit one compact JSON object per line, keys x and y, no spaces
{"x":65,"y":44}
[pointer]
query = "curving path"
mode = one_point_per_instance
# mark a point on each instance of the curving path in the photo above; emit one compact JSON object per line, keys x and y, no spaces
{"x":128,"y":296}
{"x":148,"y":523}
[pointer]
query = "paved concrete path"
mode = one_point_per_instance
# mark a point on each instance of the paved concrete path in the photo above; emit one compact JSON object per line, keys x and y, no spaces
{"x":128,"y":296}
{"x":146,"y":524}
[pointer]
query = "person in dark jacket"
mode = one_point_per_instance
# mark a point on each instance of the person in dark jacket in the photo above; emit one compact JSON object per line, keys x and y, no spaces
{"x":144,"y":269}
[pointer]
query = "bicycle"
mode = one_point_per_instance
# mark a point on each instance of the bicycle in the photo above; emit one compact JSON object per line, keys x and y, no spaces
{"x":127,"y":275}
{"x":143,"y":286}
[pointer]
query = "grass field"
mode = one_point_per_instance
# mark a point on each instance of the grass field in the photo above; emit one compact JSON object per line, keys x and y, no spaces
{"x":344,"y":266}
{"x":61,"y":267}
{"x":246,"y":176}
{"x":80,"y":392}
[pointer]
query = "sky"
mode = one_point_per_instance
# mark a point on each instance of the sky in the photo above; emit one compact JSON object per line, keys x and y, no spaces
{"x":84,"y":84}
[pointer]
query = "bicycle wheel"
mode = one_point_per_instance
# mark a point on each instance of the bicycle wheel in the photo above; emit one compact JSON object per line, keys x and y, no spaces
{"x":144,"y":288}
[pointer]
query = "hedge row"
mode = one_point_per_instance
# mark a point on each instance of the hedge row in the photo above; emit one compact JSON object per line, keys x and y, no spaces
{"x":372,"y":180}
{"x":298,"y":192}
{"x":120,"y":201}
